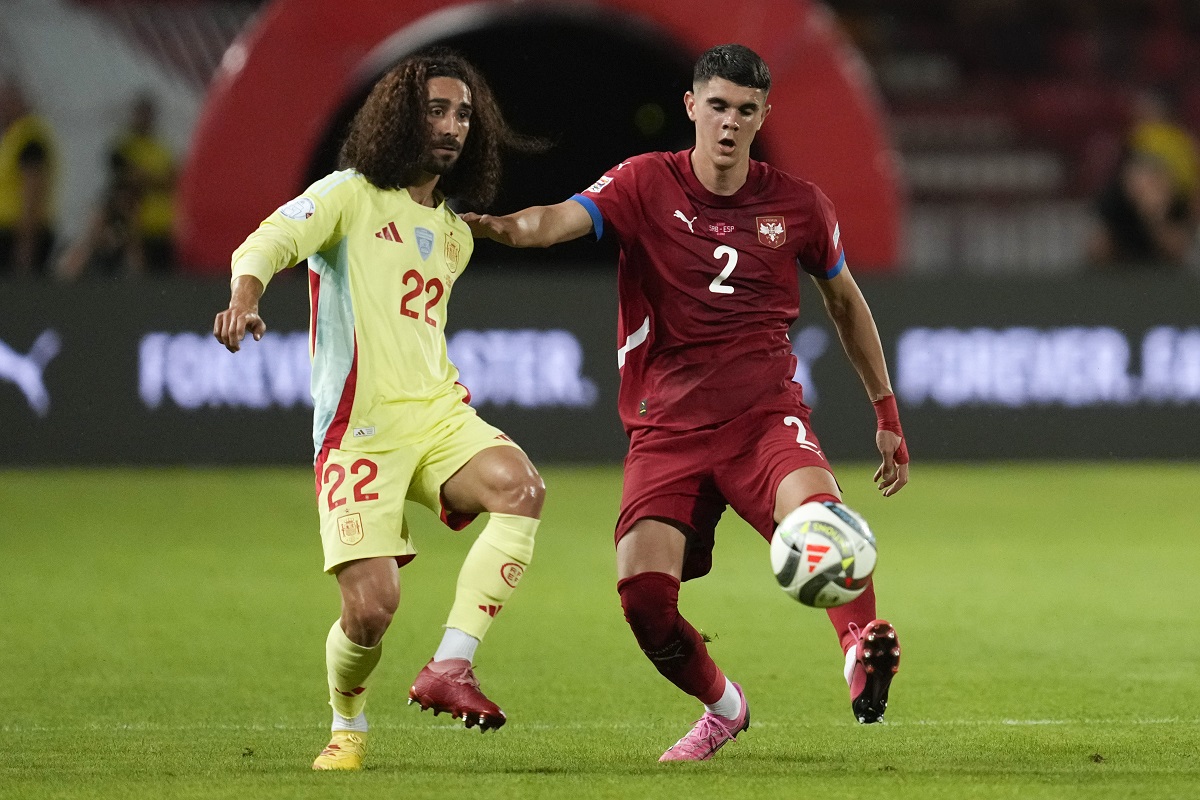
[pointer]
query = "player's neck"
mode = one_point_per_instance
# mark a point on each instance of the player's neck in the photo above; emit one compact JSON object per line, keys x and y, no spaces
{"x":423,"y":191}
{"x":722,"y":181}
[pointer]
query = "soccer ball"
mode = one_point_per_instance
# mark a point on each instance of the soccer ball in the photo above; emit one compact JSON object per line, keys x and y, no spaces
{"x":823,"y":554}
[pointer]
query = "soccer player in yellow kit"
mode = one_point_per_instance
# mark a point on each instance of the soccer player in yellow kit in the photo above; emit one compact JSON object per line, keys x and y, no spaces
{"x":390,"y":420}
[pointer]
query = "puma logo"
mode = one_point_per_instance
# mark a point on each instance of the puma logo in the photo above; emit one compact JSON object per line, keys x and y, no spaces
{"x":686,"y":220}
{"x":27,"y":371}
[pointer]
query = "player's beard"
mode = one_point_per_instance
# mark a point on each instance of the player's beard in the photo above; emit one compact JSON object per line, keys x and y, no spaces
{"x":439,"y":162}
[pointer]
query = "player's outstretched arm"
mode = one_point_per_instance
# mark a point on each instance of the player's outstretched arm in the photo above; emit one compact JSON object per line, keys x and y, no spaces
{"x":851,"y":315}
{"x":536,"y":226}
{"x":232,"y":324}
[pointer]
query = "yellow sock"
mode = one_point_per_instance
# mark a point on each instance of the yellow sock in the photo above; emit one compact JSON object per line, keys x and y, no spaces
{"x":349,"y":666}
{"x":490,"y":572}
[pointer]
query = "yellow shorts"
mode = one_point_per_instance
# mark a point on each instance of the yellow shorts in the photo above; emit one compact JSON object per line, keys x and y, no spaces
{"x":360,"y":495}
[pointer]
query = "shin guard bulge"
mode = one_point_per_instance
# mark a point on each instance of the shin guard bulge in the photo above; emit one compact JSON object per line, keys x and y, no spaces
{"x":491,"y":571}
{"x":348,"y":666}
{"x":651,"y":604}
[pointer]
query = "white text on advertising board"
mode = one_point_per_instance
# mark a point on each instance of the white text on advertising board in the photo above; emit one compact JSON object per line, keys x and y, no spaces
{"x":1074,"y":367}
{"x":525,"y":368}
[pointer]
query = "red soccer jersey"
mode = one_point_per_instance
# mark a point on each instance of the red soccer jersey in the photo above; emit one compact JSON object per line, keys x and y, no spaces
{"x":708,"y":285}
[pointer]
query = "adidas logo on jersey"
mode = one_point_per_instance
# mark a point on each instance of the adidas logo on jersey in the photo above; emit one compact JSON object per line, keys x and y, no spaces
{"x":389,"y":233}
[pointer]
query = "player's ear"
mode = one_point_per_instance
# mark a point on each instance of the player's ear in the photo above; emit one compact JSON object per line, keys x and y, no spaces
{"x":766,"y":111}
{"x":689,"y":104}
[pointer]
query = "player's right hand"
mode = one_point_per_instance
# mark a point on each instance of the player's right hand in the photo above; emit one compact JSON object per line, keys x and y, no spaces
{"x":485,"y":226}
{"x":232,"y":324}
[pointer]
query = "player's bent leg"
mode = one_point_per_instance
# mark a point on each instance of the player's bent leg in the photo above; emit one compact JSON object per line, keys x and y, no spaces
{"x":488,"y":577}
{"x":870,"y":645}
{"x":500,"y":480}
{"x":677,"y":651}
{"x":370,"y":595}
{"x":675,"y":648}
{"x":650,"y":600}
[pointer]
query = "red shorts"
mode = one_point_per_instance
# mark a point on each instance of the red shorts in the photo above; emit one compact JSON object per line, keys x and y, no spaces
{"x":689,"y":477}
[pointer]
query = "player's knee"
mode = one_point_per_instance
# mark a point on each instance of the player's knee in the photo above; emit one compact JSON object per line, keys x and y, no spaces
{"x":366,"y":619}
{"x":518,"y":489}
{"x":651,"y":604}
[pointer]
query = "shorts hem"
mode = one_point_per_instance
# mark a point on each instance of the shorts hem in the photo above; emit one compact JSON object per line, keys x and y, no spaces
{"x":401,"y":560}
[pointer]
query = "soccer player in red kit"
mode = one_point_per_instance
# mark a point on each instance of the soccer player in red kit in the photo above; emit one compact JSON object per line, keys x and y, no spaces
{"x":709,"y":288}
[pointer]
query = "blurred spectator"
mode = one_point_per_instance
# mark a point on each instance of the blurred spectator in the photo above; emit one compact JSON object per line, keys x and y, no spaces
{"x":1148,"y":211}
{"x":1143,"y":222}
{"x":109,"y":244}
{"x":1157,"y":132}
{"x":28,"y":171}
{"x":130,"y":230}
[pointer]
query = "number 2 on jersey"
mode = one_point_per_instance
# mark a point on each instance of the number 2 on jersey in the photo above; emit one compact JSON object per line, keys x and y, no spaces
{"x":718,"y":283}
{"x":433,"y":288}
{"x":801,"y":434}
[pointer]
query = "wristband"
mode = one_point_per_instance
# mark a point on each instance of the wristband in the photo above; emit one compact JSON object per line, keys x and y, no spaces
{"x":887,"y":416}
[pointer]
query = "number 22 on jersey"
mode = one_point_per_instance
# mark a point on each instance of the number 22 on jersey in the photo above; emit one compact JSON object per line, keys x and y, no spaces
{"x":335,"y":475}
{"x":421,"y":297}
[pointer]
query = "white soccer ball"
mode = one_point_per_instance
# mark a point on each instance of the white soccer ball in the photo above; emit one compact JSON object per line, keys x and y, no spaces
{"x":823,"y":554}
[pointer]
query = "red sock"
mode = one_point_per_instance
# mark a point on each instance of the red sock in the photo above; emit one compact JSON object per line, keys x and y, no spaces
{"x":860,"y":611}
{"x":651,"y":604}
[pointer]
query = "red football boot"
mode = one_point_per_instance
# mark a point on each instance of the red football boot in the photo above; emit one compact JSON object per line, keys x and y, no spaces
{"x":451,"y":686}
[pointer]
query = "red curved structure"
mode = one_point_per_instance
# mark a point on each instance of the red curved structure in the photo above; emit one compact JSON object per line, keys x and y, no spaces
{"x":282,"y":82}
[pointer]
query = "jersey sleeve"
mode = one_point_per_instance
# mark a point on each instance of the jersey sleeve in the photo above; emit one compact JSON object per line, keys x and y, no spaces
{"x":822,"y":255}
{"x":305,"y":225}
{"x":613,"y":200}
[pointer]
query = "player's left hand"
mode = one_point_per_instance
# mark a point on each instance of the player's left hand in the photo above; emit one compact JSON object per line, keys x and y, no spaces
{"x":891,"y":475}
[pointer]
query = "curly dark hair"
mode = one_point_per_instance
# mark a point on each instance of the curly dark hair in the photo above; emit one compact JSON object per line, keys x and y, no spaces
{"x":389,"y":136}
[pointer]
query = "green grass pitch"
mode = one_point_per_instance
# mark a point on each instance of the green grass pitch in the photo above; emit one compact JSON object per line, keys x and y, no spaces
{"x":163,"y":636}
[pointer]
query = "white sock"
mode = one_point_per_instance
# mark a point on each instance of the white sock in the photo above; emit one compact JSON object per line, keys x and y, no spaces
{"x":456,"y":644}
{"x":358,"y":724}
{"x":851,"y":657}
{"x":730,"y":705}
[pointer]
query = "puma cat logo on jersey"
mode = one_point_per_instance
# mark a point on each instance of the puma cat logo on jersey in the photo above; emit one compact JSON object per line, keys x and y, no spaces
{"x":686,"y":220}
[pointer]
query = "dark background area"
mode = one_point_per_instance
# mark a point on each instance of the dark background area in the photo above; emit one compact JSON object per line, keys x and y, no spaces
{"x":621,"y":95}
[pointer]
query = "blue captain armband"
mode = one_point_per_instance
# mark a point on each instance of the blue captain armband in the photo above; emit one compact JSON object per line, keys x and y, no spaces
{"x":836,"y":268}
{"x":828,"y":274}
{"x":593,"y":212}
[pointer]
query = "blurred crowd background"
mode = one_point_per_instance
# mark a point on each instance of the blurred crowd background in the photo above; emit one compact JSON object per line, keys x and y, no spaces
{"x":1040,"y":134}
{"x":1030,"y":136}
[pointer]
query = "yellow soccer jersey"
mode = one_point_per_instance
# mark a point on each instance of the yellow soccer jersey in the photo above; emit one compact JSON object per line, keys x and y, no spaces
{"x":381,"y":267}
